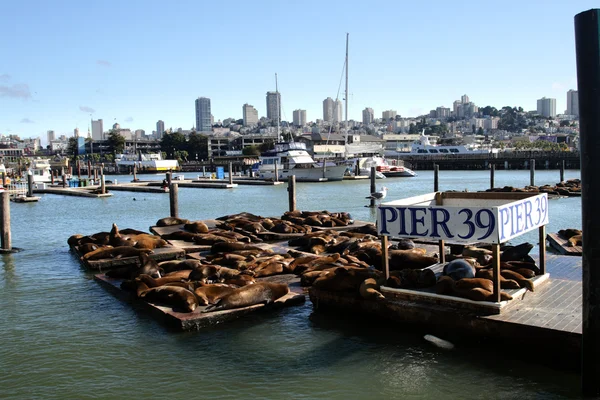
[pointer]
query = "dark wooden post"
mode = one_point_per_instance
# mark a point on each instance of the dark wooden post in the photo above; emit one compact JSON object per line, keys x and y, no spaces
{"x":95,"y":174}
{"x":4,"y":179}
{"x":292,"y":191}
{"x":324,"y":168}
{"x":174,"y":200}
{"x":204,"y":171}
{"x":436,"y":181}
{"x":587,"y":46}
{"x":385,"y":258}
{"x":89,"y":171}
{"x":169,"y":176}
{"x":230,"y":173}
{"x":78,"y":169}
{"x":372,"y":203}
{"x":5,"y":221}
{"x":356,"y":169}
{"x":134,"y":173}
{"x":64,"y":181}
{"x":276,"y":172}
{"x":102,"y":180}
{"x":29,"y":185}
{"x":492,"y":172}
{"x":496,"y":271}
{"x":562,"y":170}
{"x":532,"y":172}
{"x":542,"y":239}
{"x":52,"y":177}
{"x":439,"y":201}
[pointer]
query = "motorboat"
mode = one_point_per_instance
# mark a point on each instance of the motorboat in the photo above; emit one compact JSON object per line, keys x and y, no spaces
{"x":292,"y":158}
{"x":424,"y":148}
{"x":40,"y":170}
{"x":382,"y":168}
{"x":152,"y":162}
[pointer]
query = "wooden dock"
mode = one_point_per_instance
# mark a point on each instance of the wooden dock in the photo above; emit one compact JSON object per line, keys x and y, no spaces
{"x":70,"y":191}
{"x":197,"y":319}
{"x":547,"y":320}
{"x":562,"y":245}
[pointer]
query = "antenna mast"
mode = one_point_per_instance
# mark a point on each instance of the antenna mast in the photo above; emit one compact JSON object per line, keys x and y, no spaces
{"x":278,"y":109}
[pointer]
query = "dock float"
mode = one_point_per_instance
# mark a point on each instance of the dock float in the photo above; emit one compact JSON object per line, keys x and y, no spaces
{"x":197,"y":320}
{"x":563,"y":246}
{"x":160,"y":254}
{"x":24,"y":199}
{"x":244,"y":181}
{"x":69,"y":191}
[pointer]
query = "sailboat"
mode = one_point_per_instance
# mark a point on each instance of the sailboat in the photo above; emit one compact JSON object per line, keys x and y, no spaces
{"x":292,"y":158}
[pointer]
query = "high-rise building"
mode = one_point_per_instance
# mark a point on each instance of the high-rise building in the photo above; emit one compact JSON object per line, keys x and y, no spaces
{"x":572,"y":103}
{"x":97,"y":130}
{"x":464,"y":99}
{"x":160,"y":129}
{"x":203,"y":116}
{"x":328,"y":105}
{"x":337,"y":111}
{"x":546,"y":107}
{"x":51,"y":136}
{"x":442,"y":112}
{"x":388,"y":114}
{"x":274,"y":106}
{"x":250,"y":115}
{"x":368,"y":116}
{"x":299,"y":117}
{"x":76,"y":132}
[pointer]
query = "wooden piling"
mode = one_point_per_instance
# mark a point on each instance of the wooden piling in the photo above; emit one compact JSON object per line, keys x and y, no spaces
{"x":385,"y":258}
{"x":89,"y":169}
{"x":29,"y":184}
{"x":230,"y":173}
{"x":78,"y":169}
{"x":587,"y":46}
{"x":174,"y":199}
{"x":562,"y":171}
{"x":64,"y":181}
{"x":95,"y":174}
{"x":276,"y":172}
{"x":134,"y":173}
{"x":496,"y":271}
{"x":492,"y":172}
{"x":169,"y":178}
{"x":542,"y":256}
{"x":4,"y":179}
{"x":102,"y":180}
{"x":436,"y":181}
{"x":532,"y":172}
{"x":373,"y":177}
{"x":203,"y":171}
{"x":292,"y":192}
{"x":357,"y":169}
{"x":52,"y":177}
{"x":5,"y":221}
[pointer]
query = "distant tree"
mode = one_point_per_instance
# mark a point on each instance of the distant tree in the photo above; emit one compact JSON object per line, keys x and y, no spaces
{"x":251,"y":151}
{"x":412,"y":129}
{"x":72,"y":147}
{"x":398,"y":117}
{"x":197,"y":145}
{"x":116,"y":141}
{"x":267,"y":145}
{"x":473,"y":128}
{"x":173,"y":142}
{"x":564,"y":123}
{"x":480,"y":131}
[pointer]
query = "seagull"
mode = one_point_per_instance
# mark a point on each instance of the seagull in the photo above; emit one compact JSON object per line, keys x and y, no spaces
{"x":380,"y":195}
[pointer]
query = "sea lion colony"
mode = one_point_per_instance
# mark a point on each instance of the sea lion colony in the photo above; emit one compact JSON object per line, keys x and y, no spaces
{"x":341,"y":261}
{"x":571,"y":187}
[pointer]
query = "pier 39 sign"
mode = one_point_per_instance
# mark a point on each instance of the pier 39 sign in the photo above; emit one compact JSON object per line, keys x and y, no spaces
{"x":463,"y":217}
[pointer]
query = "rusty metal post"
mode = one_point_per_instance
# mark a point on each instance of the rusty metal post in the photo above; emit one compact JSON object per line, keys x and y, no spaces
{"x":587,"y":46}
{"x":496,"y":271}
{"x":385,"y":258}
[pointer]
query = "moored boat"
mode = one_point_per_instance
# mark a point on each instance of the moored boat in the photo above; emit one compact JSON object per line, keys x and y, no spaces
{"x":152,"y":162}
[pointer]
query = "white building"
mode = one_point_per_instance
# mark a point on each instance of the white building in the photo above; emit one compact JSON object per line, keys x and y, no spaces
{"x":76,"y":132}
{"x":546,"y":107}
{"x":299,"y":117}
{"x":572,"y":103}
{"x":51,"y":136}
{"x":97,"y":130}
{"x":328,"y":105}
{"x":368,"y":116}
{"x":203,"y":115}
{"x":337,"y":111}
{"x":250,"y":115}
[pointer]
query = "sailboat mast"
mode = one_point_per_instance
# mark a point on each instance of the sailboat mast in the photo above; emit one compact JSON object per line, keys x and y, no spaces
{"x":346,"y":96}
{"x":278,"y":109}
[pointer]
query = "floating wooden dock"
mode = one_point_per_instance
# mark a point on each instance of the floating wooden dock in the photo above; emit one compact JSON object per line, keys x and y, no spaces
{"x":562,"y":245}
{"x":25,"y":199}
{"x":161,"y":254}
{"x":547,"y":320}
{"x":197,"y":319}
{"x":70,"y":191}
{"x":242,"y":181}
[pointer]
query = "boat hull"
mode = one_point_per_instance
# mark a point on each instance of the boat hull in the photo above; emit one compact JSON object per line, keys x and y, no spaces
{"x":149,"y":166}
{"x":333,"y":173}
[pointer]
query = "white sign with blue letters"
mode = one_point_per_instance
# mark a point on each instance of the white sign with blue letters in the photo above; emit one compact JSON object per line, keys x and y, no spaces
{"x":462,"y":220}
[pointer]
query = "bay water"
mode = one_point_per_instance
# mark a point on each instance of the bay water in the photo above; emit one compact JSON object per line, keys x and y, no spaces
{"x":65,"y":337}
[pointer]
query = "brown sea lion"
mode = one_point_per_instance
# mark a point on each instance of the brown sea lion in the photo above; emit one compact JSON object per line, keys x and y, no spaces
{"x":168,"y":221}
{"x":87,"y":248}
{"x":521,"y":264}
{"x":521,"y":280}
{"x":527,"y":273}
{"x":213,"y":292}
{"x":114,"y":252}
{"x":576,"y":240}
{"x":272,"y":268}
{"x":205,"y":273}
{"x":261,"y":292}
{"x":504,"y":282}
{"x":411,"y":259}
{"x":515,"y":253}
{"x":308,"y":278}
{"x":179,"y":274}
{"x":147,"y":266}
{"x":230,"y":273}
{"x":229,"y":247}
{"x":240,"y":280}
{"x":345,"y":279}
{"x":413,"y":278}
{"x":177,"y":265}
{"x":369,"y":290}
{"x":174,"y":296}
{"x":180,"y":235}
{"x":155,"y":282}
{"x":100,"y":237}
{"x":447,"y":286}
{"x":116,"y":240}
{"x":209,"y":239}
{"x":73,"y":240}
{"x":570,"y":232}
{"x":147,"y":241}
{"x":470,"y":283}
{"x":196,"y":227}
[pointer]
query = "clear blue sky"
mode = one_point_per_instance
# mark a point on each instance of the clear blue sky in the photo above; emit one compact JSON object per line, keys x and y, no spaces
{"x":136,"y":62}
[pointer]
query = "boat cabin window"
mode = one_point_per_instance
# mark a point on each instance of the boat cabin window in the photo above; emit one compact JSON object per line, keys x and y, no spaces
{"x":443,"y":150}
{"x":421,"y":151}
{"x":453,"y":150}
{"x":433,"y":151}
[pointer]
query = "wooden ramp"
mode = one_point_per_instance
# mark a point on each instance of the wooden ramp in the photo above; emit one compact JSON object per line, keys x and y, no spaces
{"x":562,"y":245}
{"x":197,"y":319}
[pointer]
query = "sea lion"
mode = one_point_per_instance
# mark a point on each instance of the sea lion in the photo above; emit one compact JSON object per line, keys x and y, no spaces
{"x":369,"y":290}
{"x":73,"y":240}
{"x":205,"y":273}
{"x":576,"y":240}
{"x":504,"y":282}
{"x":147,"y":241}
{"x":147,"y":266}
{"x":459,"y":269}
{"x":176,"y":265}
{"x":180,"y":235}
{"x":515,"y":253}
{"x":413,"y":278}
{"x":87,"y":248}
{"x":240,"y":280}
{"x":230,"y":273}
{"x":229,"y":247}
{"x":174,"y":296}
{"x":179,"y":274}
{"x":527,"y":273}
{"x":413,"y":259}
{"x":196,"y":227}
{"x":116,"y":240}
{"x":570,"y":232}
{"x":521,"y":264}
{"x":168,"y":221}
{"x":470,"y":283}
{"x":272,"y":268}
{"x":404,"y":244}
{"x":520,"y":279}
{"x":213,"y":292}
{"x":114,"y":252}
{"x":315,"y":263}
{"x":261,"y":292}
{"x":345,"y":279}
{"x":447,"y":286}
{"x":155,"y":282}
{"x":209,"y":239}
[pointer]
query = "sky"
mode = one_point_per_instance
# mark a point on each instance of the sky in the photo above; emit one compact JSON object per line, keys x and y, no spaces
{"x":63,"y":63}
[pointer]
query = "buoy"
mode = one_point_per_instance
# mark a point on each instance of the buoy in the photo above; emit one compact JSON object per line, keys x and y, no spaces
{"x":441,"y":343}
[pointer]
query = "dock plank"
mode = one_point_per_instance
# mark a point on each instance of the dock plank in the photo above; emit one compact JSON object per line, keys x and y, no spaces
{"x":562,"y":245}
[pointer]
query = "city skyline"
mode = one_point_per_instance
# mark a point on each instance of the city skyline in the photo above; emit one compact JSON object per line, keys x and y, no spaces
{"x":58,"y":78}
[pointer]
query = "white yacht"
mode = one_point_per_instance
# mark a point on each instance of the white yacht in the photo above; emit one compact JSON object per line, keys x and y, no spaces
{"x":383,"y":168}
{"x":152,"y":162}
{"x":425,"y":148}
{"x":40,"y":169}
{"x":291,"y":158}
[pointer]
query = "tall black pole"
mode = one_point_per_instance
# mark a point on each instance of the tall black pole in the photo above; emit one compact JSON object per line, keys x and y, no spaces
{"x":587,"y":46}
